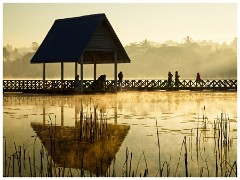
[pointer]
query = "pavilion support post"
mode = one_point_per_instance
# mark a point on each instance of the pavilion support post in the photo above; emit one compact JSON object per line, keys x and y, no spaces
{"x":76,"y":69}
{"x":44,"y":75}
{"x":62,"y":72}
{"x":95,"y":68}
{"x":115,"y":71}
{"x":81,"y":90}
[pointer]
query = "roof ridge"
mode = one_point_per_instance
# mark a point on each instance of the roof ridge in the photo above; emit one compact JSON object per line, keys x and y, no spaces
{"x":83,"y":16}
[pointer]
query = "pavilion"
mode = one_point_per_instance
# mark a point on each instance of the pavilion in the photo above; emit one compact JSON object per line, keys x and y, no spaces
{"x":81,"y":40}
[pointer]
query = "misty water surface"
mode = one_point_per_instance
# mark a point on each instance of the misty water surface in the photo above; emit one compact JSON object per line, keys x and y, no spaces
{"x":177,"y":114}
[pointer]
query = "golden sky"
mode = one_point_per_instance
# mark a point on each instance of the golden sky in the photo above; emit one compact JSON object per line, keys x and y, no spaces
{"x":24,"y":23}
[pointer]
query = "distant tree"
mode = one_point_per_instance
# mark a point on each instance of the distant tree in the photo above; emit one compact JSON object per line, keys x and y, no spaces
{"x":188,"y":40}
{"x":16,"y":54}
{"x":9,"y":47}
{"x":233,"y":44}
{"x":132,"y":45}
{"x":145,"y":44}
{"x":6,"y":54}
{"x":132,"y":48}
{"x":170,"y":43}
{"x":35,"y":46}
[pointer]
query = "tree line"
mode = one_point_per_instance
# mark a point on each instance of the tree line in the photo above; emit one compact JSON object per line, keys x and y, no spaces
{"x":149,"y":60}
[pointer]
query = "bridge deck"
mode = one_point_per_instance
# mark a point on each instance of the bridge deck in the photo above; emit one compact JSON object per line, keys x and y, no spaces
{"x":70,"y":86}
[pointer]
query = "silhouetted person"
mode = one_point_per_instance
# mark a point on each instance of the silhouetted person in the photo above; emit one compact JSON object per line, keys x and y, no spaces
{"x":120,"y":76}
{"x":170,"y":79}
{"x":99,"y":84}
{"x":102,"y":78}
{"x":177,"y":79}
{"x":76,"y":82}
{"x":198,"y":78}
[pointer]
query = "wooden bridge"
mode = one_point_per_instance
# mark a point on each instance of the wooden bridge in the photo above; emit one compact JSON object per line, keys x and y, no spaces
{"x":91,"y":86}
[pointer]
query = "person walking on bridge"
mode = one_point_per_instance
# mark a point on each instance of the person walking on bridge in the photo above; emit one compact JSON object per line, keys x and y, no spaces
{"x":198,"y":80}
{"x":170,"y":79}
{"x":177,"y":79}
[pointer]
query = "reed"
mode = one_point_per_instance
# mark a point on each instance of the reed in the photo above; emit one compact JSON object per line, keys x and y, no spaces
{"x":5,"y":156}
{"x":159,"y":152}
{"x":30,"y":166}
{"x":186,"y":157}
{"x":179,"y":158}
{"x":41,"y":161}
{"x":13,"y":172}
{"x":146,"y":166}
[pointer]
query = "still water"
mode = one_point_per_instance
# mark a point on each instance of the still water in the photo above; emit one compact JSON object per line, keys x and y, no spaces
{"x":125,"y":134}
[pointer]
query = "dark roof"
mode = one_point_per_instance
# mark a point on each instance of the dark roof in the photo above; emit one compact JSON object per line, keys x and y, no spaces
{"x":70,"y":38}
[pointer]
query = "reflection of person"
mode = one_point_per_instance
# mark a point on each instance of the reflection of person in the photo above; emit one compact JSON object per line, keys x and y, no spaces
{"x":177,"y":79}
{"x":120,"y":76}
{"x":170,"y":79}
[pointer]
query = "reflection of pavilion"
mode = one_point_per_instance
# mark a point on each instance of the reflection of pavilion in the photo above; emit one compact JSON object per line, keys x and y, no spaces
{"x":92,"y":147}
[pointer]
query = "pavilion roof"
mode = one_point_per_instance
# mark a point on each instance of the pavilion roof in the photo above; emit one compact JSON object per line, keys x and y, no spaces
{"x":91,"y":36}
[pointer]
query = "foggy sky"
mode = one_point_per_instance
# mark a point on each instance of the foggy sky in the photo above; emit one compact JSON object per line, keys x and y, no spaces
{"x":25,"y":23}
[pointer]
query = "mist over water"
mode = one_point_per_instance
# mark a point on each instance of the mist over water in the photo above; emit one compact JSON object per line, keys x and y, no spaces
{"x":177,"y":114}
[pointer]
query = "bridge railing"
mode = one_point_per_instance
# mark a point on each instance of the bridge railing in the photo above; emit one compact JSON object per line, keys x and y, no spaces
{"x":108,"y":85}
{"x":163,"y":84}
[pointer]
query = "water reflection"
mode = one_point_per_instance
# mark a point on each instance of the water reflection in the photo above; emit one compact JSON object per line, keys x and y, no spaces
{"x":91,"y":144}
{"x":68,"y":150}
{"x":131,"y":117}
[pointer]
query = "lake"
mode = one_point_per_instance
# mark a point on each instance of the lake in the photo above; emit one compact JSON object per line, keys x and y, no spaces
{"x":126,"y":134}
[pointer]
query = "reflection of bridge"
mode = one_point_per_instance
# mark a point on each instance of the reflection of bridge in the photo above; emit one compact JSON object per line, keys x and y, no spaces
{"x":108,"y":86}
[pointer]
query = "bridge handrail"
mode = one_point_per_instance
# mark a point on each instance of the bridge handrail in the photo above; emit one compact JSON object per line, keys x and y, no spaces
{"x":109,"y":84}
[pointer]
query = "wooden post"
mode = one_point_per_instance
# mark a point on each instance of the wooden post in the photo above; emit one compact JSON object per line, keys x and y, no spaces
{"x":115,"y":71}
{"x":95,"y":68}
{"x":44,"y":75}
{"x":62,"y":72}
{"x":81,"y":90}
{"x":76,"y":68}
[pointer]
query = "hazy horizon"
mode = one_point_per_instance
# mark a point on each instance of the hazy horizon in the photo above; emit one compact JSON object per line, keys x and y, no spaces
{"x":149,"y":60}
{"x":28,"y":47}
